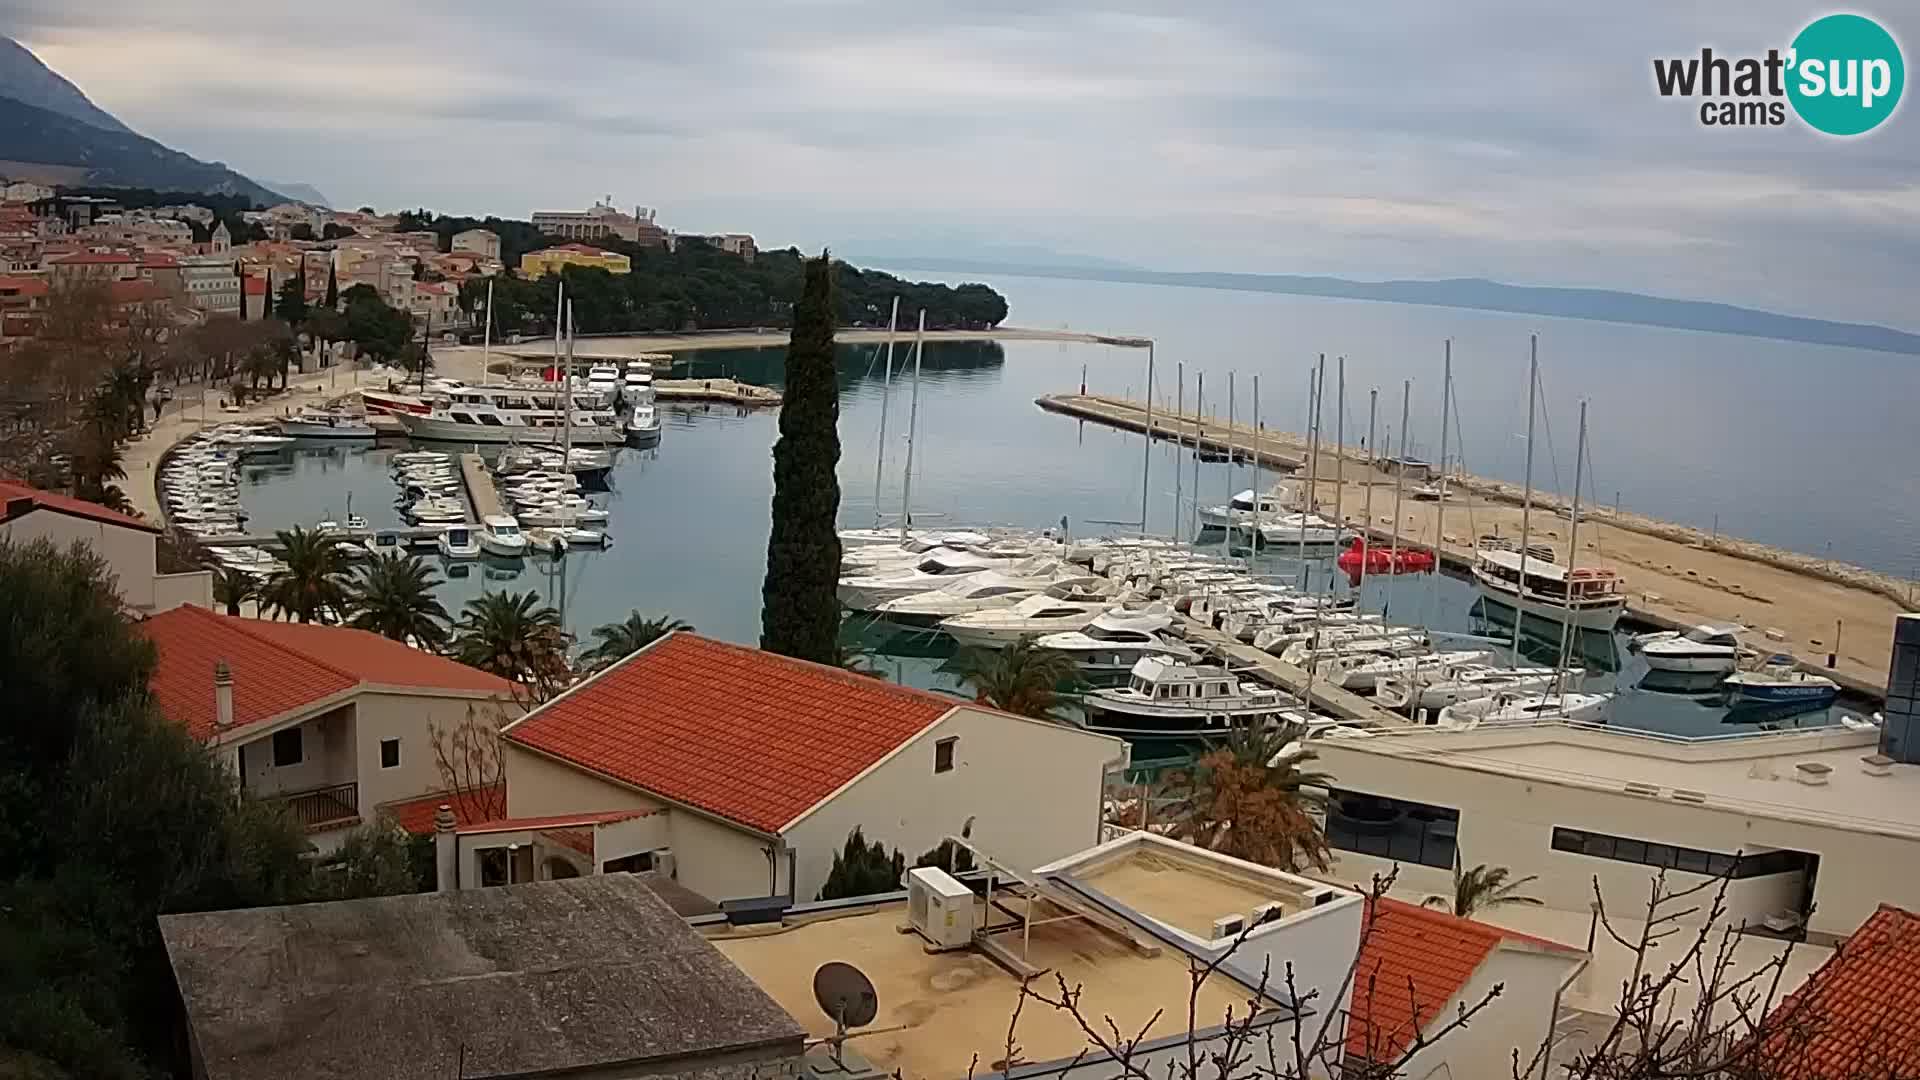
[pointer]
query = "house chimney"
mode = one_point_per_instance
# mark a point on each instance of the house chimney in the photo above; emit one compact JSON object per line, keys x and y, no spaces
{"x":222,"y":696}
{"x":446,"y":853}
{"x":1900,"y":726}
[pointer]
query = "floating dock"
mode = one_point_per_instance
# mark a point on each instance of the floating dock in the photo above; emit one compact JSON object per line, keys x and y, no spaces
{"x":1322,"y":694}
{"x":483,"y":501}
{"x":723,"y":391}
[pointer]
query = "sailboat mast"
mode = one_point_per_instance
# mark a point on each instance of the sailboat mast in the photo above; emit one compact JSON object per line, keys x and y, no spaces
{"x":1146,"y":454}
{"x":566,"y":400}
{"x":1339,"y":447}
{"x":1567,"y":631}
{"x":559,"y":327}
{"x":486,"y":338}
{"x":1526,"y":499}
{"x":1366,"y":512}
{"x":1400,"y":477}
{"x":1226,"y":542}
{"x":1179,"y":438}
{"x":1199,"y":417}
{"x":1254,"y":441}
{"x":886,"y":395}
{"x":1440,"y":508}
{"x":913,"y":424}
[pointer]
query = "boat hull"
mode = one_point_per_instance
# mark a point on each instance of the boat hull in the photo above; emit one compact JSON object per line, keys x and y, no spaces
{"x":1592,"y":617}
{"x":985,"y":637}
{"x":1810,"y":695}
{"x":300,"y":429}
{"x":1689,"y":663}
{"x":426,"y":427}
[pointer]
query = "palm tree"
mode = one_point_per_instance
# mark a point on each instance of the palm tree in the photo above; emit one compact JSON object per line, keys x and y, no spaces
{"x":95,"y":459}
{"x":1021,"y":678}
{"x":516,"y":637}
{"x":313,"y":586}
{"x":393,"y":597}
{"x":233,"y":587}
{"x":1249,"y":796}
{"x":1483,"y":887}
{"x":615,"y":642}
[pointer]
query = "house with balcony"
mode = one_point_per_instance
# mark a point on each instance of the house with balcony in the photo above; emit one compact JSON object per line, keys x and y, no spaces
{"x":338,"y":723}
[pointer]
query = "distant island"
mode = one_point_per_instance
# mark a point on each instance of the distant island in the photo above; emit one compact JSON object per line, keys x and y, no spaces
{"x":1602,"y":305}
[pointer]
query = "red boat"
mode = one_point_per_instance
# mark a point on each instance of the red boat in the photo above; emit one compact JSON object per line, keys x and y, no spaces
{"x":1382,"y":560}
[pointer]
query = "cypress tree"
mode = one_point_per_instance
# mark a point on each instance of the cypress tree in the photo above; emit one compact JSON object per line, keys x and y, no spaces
{"x":266,"y":296}
{"x":333,"y":288}
{"x":241,"y":273}
{"x":800,"y":613}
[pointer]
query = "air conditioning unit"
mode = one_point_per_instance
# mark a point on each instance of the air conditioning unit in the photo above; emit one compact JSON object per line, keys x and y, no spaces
{"x":663,"y":862}
{"x":940,"y":909}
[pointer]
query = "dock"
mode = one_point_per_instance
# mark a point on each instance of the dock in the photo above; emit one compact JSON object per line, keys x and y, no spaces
{"x":482,"y":498}
{"x":1676,"y":576}
{"x":1323,"y":695}
{"x":723,"y":391}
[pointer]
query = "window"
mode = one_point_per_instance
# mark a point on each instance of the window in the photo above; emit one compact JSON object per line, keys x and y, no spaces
{"x":389,"y":753}
{"x":943,"y":755}
{"x":286,"y":748}
{"x":1673,"y":857}
{"x":1389,"y":828}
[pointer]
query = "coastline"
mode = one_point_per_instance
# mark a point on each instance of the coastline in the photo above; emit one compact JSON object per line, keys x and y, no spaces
{"x":628,"y":346}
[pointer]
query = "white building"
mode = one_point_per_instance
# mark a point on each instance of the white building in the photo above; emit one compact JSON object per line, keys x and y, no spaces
{"x":602,"y":221}
{"x":210,"y":284}
{"x":1805,"y":820}
{"x":24,"y":191}
{"x":479,"y":242}
{"x":752,"y":768}
{"x":126,"y":543}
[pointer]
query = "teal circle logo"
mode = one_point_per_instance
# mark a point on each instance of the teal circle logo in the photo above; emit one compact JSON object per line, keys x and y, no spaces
{"x":1845,"y":74}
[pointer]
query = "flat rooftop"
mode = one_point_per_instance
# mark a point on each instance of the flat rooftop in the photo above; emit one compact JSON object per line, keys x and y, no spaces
{"x":939,"y":1010}
{"x":1756,"y":774}
{"x":1185,"y":893}
{"x":591,"y":973}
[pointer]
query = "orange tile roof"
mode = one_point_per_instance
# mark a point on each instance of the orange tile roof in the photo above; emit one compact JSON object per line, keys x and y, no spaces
{"x":1434,"y":951}
{"x":93,"y":258}
{"x":551,"y":821}
{"x":280,"y":666}
{"x":416,"y":815}
{"x":64,"y":504}
{"x":135,"y":292}
{"x":744,"y":735}
{"x":1859,"y":1015}
{"x":23,"y":286}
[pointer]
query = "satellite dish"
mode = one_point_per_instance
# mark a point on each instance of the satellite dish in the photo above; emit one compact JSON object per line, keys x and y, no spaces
{"x":845,"y":994}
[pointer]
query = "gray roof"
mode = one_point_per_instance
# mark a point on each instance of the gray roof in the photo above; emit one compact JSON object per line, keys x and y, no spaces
{"x":586,"y":972}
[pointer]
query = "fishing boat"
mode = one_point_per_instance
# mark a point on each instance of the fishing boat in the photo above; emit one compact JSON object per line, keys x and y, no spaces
{"x":1165,"y":698}
{"x":500,"y":535}
{"x":1509,"y":707}
{"x":1706,"y":648}
{"x":1779,"y":682}
{"x":1586,"y":597}
{"x":316,"y":424}
{"x":983,"y":591}
{"x":1034,"y":616}
{"x":458,"y":542}
{"x":643,"y":424}
{"x":1419,"y":691}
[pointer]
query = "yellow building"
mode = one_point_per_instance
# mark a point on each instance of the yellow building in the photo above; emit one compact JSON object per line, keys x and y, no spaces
{"x":550,"y":260}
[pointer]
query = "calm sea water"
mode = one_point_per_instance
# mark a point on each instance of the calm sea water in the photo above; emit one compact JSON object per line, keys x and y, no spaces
{"x":1797,"y":445}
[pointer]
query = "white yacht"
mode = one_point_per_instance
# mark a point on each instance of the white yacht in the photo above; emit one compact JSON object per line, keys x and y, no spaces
{"x":1421,"y":690}
{"x":1310,"y":529}
{"x":1303,"y":654}
{"x":1243,"y":508}
{"x":1587,"y":597}
{"x":500,"y":535}
{"x":1114,"y":642}
{"x":1510,"y":706}
{"x":1169,"y":699}
{"x":513,"y":413}
{"x":317,"y":424}
{"x":1363,"y":671}
{"x":1779,"y":682}
{"x":1032,"y":617}
{"x":866,"y":592}
{"x":560,"y":513}
{"x":385,"y":542}
{"x":458,"y":542}
{"x":636,"y":384}
{"x":1709,"y":647}
{"x":983,"y":591}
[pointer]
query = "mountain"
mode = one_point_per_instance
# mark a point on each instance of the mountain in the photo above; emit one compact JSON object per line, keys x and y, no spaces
{"x":31,"y":136}
{"x":1602,"y":305}
{"x":305,"y":193}
{"x":24,"y":78}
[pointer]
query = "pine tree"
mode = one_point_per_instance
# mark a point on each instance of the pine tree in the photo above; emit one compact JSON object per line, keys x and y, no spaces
{"x":333,"y":288}
{"x":800,"y":613}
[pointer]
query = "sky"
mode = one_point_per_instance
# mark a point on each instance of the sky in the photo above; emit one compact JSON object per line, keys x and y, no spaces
{"x":1520,"y":141}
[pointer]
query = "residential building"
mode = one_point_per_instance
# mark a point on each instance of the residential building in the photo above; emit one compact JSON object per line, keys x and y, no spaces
{"x":1855,"y":1017}
{"x":1816,"y":827}
{"x":590,"y":978}
{"x":93,"y":265}
{"x":163,"y":270}
{"x":126,"y":543}
{"x":436,"y":304}
{"x":23,"y":302}
{"x":552,"y":260}
{"x":754,"y":768}
{"x":1127,"y":922}
{"x":336,"y":722}
{"x":602,"y":222}
{"x":479,"y":241}
{"x":210,"y":284}
{"x":25,"y":191}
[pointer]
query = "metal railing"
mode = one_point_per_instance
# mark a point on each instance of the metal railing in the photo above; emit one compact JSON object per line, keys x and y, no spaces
{"x":323,"y":806}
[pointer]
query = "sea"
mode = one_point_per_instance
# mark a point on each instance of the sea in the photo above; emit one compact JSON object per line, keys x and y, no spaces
{"x":1804,"y":446}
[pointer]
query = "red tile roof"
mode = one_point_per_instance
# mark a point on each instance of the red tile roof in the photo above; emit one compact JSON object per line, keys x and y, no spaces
{"x":94,"y":258}
{"x":551,"y":821}
{"x":63,"y":504}
{"x":278,"y":667}
{"x":416,"y":815}
{"x":742,"y":734}
{"x":1434,"y":951}
{"x":23,"y":286}
{"x":1859,"y":1015}
{"x":135,"y":292}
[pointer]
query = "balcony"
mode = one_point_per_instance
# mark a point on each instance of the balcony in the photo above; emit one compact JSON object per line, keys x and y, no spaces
{"x":332,"y":807}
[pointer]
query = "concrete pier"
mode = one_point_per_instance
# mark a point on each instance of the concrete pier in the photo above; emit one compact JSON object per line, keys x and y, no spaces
{"x":724,"y":391}
{"x":482,"y":498}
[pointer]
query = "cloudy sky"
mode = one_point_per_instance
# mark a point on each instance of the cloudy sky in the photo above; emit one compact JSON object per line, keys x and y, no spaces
{"x":1396,"y":138}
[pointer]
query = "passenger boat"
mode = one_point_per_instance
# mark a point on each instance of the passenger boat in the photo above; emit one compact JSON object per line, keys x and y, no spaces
{"x":513,"y":413}
{"x":1171,"y":699}
{"x":1587,"y":597}
{"x":1707,"y":648}
{"x":1779,"y":682}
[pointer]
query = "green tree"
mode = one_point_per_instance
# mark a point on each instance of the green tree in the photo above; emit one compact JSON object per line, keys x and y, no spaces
{"x":376,"y":859}
{"x":335,"y":231}
{"x":393,"y":597}
{"x":333,"y":280}
{"x":312,"y":587}
{"x":614,"y":642}
{"x":1248,"y":796}
{"x":233,"y":587}
{"x":292,"y":306}
{"x":862,"y":869}
{"x":800,"y":613}
{"x":302,"y":232}
{"x":1483,"y":887}
{"x":516,"y":637}
{"x":947,"y":856}
{"x":1020,"y":678}
{"x":372,"y":325}
{"x":240,"y":272}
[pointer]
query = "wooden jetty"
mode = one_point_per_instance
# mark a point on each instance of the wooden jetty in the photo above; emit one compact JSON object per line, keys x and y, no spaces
{"x":482,"y":499}
{"x":1322,"y":694}
{"x":723,"y":391}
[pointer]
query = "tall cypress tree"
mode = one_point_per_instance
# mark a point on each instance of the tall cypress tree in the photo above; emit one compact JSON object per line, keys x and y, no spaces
{"x":800,"y":613}
{"x":333,"y":288}
{"x":241,"y":273}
